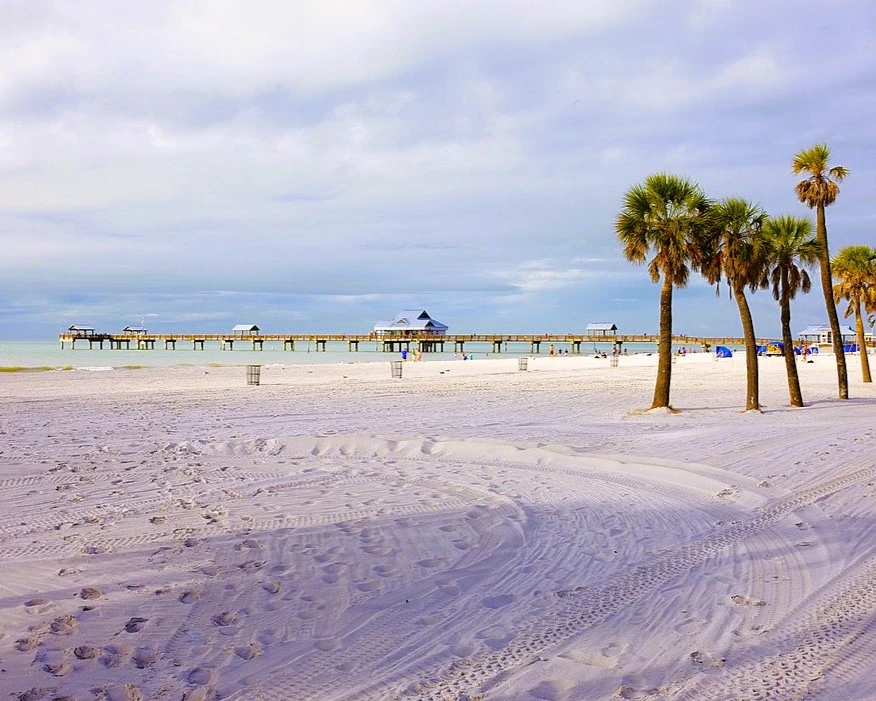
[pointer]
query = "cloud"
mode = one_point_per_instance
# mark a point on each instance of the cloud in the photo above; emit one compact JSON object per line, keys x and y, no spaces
{"x":333,"y":164}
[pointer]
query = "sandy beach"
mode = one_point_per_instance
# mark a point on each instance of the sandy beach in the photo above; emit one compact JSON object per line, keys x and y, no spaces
{"x":469,"y":531}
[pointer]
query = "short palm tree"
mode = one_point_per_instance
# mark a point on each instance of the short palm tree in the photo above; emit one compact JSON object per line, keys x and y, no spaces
{"x":665,"y":217}
{"x":855,"y":266}
{"x":790,"y":248}
{"x":736,"y":255}
{"x":818,"y":191}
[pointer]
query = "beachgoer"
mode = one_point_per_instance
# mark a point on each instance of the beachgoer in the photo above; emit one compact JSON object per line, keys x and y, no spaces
{"x":551,"y":350}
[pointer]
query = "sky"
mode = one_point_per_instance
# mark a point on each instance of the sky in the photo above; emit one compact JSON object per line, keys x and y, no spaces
{"x":320,"y":166}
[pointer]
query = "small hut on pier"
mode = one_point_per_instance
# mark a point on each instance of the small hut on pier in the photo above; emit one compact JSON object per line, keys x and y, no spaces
{"x":245,"y":330}
{"x":79,"y":331}
{"x":601,"y":328}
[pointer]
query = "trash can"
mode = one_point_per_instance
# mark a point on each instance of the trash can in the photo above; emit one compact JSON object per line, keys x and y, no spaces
{"x":395,"y":367}
{"x":253,"y":374}
{"x":522,"y":363}
{"x":614,"y":361}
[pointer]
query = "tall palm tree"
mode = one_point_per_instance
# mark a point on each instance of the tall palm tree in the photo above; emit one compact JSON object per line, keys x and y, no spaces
{"x":666,"y":216}
{"x":736,"y":256}
{"x":817,"y":192}
{"x":790,"y":248}
{"x":855,"y":266}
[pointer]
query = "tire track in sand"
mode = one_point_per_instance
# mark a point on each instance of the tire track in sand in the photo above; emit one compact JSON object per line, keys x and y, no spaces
{"x":585,"y":607}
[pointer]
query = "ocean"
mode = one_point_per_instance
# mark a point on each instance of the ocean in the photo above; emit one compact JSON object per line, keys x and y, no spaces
{"x":48,"y":354}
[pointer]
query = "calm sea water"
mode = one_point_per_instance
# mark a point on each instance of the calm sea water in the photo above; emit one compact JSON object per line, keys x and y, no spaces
{"x":49,"y":354}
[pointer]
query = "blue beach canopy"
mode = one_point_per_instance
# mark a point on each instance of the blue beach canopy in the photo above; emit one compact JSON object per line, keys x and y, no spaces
{"x":723,"y":352}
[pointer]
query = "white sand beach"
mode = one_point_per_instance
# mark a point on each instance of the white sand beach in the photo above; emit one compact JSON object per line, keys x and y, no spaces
{"x":469,"y":531}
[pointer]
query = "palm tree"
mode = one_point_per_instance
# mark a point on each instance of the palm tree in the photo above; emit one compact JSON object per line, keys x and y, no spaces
{"x":736,"y":255}
{"x":855,"y":266}
{"x":667,"y":216}
{"x":817,"y":192}
{"x":790,"y":248}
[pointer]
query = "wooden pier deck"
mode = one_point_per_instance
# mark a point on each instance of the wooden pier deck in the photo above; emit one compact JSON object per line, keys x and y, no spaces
{"x":423,"y":343}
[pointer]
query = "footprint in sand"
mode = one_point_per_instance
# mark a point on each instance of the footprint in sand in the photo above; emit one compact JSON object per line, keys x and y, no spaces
{"x":549,"y":690}
{"x":268,"y":636}
{"x":63,"y":625}
{"x":190,"y":596}
{"x":200,"y":676}
{"x":327,"y":644}
{"x":59,"y":669}
{"x":272,"y":587}
{"x":381,"y":550}
{"x":226,"y":618}
{"x":124,"y":692}
{"x":249,"y":651}
{"x":368,"y":585}
{"x":86,"y":652}
{"x":113,"y":656}
{"x":38,"y":606}
{"x":144,"y":657}
{"x":432,"y":562}
{"x":385,"y":570}
{"x":135,"y":624}
{"x":89,"y":593}
{"x":252,"y":565}
{"x":27,"y":644}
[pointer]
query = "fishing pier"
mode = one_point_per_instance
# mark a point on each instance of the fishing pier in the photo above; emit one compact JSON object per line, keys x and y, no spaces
{"x":425,"y":343}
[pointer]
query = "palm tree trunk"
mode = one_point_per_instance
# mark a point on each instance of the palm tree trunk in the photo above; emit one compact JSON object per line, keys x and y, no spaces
{"x":788,"y":341}
{"x":664,"y":351}
{"x":832,"y":317}
{"x":752,"y":398}
{"x":862,"y":344}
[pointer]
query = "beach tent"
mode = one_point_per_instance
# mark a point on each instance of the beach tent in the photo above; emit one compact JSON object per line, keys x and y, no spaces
{"x":850,"y":348}
{"x":761,"y":350}
{"x":723,"y":352}
{"x":775,"y":348}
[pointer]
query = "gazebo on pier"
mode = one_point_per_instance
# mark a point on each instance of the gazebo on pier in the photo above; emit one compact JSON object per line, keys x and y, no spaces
{"x":408,"y":325}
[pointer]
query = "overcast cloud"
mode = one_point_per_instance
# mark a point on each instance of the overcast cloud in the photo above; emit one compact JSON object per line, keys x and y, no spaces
{"x":317,"y":166}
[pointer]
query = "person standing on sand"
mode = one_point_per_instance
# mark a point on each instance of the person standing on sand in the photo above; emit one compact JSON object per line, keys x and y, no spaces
{"x":551,"y":350}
